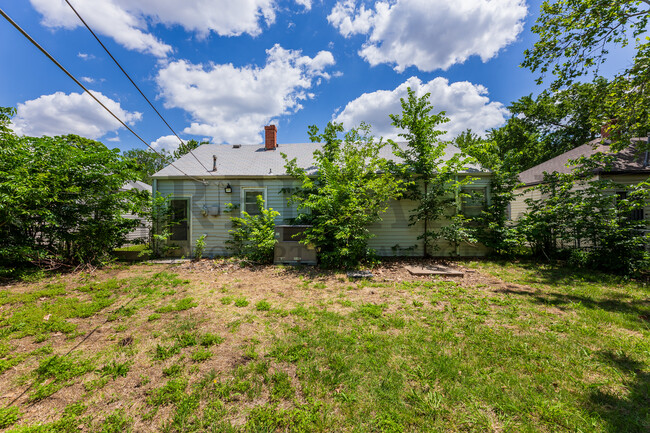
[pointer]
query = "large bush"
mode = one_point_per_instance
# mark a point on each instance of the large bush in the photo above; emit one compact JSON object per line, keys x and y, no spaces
{"x":253,"y":236}
{"x":60,"y":199}
{"x":349,"y":193}
{"x":590,"y":221}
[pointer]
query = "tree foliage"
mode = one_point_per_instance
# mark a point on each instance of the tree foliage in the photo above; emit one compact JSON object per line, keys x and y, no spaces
{"x":349,"y":192}
{"x":253,"y":236}
{"x":60,"y":198}
{"x":575,"y":37}
{"x":148,"y":162}
{"x":589,"y":219}
{"x":436,"y":182}
{"x":539,"y":128}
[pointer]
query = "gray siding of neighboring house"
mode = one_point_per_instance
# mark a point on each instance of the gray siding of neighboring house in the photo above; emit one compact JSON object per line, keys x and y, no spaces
{"x":393,"y":235}
{"x":518,"y":206}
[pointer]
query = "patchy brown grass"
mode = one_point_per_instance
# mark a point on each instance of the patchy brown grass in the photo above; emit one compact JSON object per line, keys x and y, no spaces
{"x":196,"y":299}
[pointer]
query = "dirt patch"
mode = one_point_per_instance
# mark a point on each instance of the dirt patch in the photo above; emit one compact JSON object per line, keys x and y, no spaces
{"x":248,"y":307}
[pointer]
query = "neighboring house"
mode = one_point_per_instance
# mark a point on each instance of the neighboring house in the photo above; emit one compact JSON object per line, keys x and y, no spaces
{"x":630,"y":166}
{"x":239,"y":173}
{"x":142,"y":231}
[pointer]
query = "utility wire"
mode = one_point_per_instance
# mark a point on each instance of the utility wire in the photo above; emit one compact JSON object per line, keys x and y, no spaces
{"x":49,"y":56}
{"x":133,"y":82}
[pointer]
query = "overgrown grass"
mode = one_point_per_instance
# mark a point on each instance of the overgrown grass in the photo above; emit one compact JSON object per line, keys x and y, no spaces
{"x":527,"y":348}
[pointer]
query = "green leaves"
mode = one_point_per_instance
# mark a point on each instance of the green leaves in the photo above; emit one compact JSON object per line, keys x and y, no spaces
{"x":60,"y":199}
{"x":350,"y":191}
{"x":253,"y":236}
{"x":575,"y":37}
{"x":589,"y":219}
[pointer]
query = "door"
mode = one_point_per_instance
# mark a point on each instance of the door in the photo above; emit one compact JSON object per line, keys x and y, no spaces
{"x":180,"y":226}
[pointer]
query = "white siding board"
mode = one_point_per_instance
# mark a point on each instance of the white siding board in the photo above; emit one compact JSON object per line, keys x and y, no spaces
{"x":393,"y":230}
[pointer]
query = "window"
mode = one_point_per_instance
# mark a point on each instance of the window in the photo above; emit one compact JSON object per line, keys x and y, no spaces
{"x":473,"y":201}
{"x":249,"y":199}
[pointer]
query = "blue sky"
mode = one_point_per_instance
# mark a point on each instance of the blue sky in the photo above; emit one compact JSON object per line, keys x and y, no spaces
{"x":221,"y":69}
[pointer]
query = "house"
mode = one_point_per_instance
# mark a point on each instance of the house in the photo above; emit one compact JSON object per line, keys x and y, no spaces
{"x":629,"y":167}
{"x":141,"y":232}
{"x":237,"y":174}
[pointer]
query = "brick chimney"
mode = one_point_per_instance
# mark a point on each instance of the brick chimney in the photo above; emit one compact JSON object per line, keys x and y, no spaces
{"x":270,"y":137}
{"x":605,"y":130}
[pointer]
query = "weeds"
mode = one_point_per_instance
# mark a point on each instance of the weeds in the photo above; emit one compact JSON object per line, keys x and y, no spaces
{"x":241,"y":302}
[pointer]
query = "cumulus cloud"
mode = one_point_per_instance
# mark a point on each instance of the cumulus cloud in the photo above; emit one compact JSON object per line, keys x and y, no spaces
{"x":74,"y":113}
{"x":128,"y":21}
{"x":87,"y":80}
{"x":466,"y":106}
{"x":305,"y":3}
{"x":167,"y":143}
{"x":430,"y":34}
{"x":232,"y":104}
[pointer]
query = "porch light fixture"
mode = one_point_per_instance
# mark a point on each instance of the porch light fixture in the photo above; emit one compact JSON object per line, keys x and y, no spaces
{"x":228,"y":189}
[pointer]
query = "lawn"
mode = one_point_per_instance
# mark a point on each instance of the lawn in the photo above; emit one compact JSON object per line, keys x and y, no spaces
{"x":216,"y":347}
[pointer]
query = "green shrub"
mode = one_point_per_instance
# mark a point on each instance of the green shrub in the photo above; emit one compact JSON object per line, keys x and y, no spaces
{"x":199,"y":248}
{"x":253,"y":236}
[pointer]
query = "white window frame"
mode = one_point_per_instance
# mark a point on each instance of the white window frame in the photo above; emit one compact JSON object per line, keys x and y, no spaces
{"x":471,"y":190}
{"x":246,"y":189}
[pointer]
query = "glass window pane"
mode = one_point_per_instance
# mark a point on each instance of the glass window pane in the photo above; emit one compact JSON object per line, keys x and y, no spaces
{"x":252,"y":209}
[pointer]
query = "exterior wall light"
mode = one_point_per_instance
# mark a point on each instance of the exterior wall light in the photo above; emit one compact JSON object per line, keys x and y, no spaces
{"x":228,"y":189}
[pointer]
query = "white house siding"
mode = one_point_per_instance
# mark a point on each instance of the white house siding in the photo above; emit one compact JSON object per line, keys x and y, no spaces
{"x":392,"y":231}
{"x":518,"y":205}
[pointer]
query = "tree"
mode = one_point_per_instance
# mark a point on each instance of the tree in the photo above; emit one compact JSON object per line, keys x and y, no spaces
{"x":436,"y":183}
{"x":583,"y":218}
{"x":493,"y":227}
{"x":539,"y":128}
{"x":60,"y":199}
{"x":349,"y":192}
{"x":575,"y":37}
{"x":149,"y":162}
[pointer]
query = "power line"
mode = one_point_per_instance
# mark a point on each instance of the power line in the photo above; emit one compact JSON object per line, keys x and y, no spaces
{"x":49,"y":56}
{"x":133,"y":82}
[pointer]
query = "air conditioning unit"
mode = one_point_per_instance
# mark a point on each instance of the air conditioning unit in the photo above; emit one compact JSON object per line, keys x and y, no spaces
{"x":289,"y":250}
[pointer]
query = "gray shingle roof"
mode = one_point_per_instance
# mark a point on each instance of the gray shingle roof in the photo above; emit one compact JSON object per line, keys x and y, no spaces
{"x":141,"y":186}
{"x":255,"y":161}
{"x":628,"y":160}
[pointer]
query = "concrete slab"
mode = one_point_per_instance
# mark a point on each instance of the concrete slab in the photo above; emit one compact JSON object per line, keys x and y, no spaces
{"x":360,"y":274}
{"x":170,"y":261}
{"x":434,"y":270}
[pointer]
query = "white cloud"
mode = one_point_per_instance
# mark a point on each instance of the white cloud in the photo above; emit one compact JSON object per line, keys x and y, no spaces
{"x":305,"y":3}
{"x":74,"y":113}
{"x":128,"y":22}
{"x":87,"y":80}
{"x":168,"y":143}
{"x":465,"y":104}
{"x":430,"y":34}
{"x":232,"y":104}
{"x":115,"y":139}
{"x":85,"y":56}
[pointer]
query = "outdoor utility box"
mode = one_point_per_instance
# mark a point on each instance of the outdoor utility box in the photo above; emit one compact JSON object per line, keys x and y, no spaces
{"x":289,"y":250}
